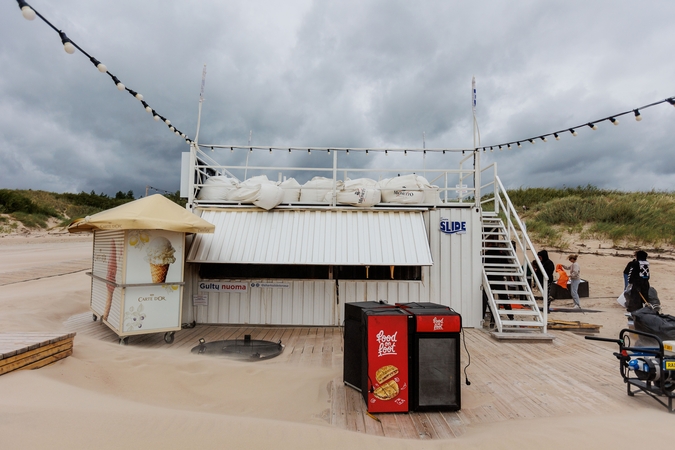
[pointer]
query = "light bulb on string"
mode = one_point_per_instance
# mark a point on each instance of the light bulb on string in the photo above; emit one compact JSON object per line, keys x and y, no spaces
{"x":491,"y":149}
{"x":99,"y":65}
{"x":531,"y":141}
{"x":117,"y":82}
{"x":386,"y":153}
{"x":67,"y":43}
{"x":555,"y":135}
{"x":543,"y":138}
{"x":270,"y":150}
{"x":135,"y":94}
{"x":592,"y":126}
{"x":146,"y":106}
{"x":671,"y":101}
{"x":519,"y":146}
{"x":638,"y":117}
{"x":574,"y":133}
{"x":231,"y":149}
{"x":167,"y":121}
{"x":508,"y":146}
{"x":348,"y":151}
{"x":26,"y":10}
{"x":309,"y":151}
{"x":156,"y":117}
{"x":500,"y":148}
{"x":366,"y":151}
{"x":614,"y":121}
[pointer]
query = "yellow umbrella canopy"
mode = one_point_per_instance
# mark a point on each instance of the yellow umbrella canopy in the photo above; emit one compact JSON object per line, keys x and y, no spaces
{"x":155,"y":212}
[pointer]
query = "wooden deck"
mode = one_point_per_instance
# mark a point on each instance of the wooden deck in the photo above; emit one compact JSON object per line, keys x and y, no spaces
{"x":19,"y":351}
{"x":509,"y":380}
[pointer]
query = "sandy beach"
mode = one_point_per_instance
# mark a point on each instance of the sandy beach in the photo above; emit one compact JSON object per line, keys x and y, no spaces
{"x":108,"y":396}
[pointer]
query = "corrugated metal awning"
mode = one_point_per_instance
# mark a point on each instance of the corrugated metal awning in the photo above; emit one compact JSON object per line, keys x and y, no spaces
{"x":388,"y":238}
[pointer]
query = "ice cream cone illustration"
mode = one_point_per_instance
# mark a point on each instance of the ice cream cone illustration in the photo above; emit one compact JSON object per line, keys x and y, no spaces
{"x":158,"y":272}
{"x":111,"y":276}
{"x":160,"y":256}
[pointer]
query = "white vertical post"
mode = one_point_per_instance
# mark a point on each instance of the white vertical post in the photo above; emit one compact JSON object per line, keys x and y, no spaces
{"x":193,"y":147}
{"x":476,"y":143}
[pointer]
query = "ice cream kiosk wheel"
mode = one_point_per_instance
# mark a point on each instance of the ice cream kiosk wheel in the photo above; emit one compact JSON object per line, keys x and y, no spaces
{"x":137,"y":273}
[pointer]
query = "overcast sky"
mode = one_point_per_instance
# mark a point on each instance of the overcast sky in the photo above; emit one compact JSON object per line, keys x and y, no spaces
{"x":337,"y":73}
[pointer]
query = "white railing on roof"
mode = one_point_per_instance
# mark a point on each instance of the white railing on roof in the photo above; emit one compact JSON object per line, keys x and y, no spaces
{"x":450,"y":186}
{"x":517,"y":231}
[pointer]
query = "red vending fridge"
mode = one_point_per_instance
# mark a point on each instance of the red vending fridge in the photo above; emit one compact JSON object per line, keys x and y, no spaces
{"x":376,"y":355}
{"x":435,"y":380}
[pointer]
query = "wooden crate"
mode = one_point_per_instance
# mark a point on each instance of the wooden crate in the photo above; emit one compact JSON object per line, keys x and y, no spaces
{"x":33,"y":350}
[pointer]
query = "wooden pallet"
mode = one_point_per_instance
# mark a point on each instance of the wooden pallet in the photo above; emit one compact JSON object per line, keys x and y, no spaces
{"x":574,"y":326}
{"x":20,"y":351}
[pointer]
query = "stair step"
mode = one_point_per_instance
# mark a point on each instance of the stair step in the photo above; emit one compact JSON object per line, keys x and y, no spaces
{"x":518,"y":312}
{"x":516,"y":302}
{"x":505,"y":273}
{"x":513,"y":292}
{"x":522,"y":323}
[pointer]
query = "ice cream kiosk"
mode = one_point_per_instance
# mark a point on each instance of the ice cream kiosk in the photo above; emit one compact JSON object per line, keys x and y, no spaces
{"x":137,"y":265}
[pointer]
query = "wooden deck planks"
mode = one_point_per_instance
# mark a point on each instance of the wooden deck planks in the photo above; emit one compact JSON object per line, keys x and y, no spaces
{"x":20,"y":351}
{"x":509,"y":380}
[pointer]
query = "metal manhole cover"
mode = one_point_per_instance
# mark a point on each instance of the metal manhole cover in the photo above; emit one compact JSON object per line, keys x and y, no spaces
{"x":246,"y":349}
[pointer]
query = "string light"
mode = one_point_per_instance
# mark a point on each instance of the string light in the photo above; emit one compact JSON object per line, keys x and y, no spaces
{"x":593,"y":124}
{"x":519,"y":146}
{"x":531,"y":141}
{"x":29,"y":13}
{"x":67,"y":43}
{"x":26,"y":10}
{"x":100,"y":66}
{"x":508,"y":146}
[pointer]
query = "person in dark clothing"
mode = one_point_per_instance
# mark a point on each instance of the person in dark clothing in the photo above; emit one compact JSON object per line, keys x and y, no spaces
{"x":638,"y":279}
{"x":548,"y":265}
{"x":626,"y":271}
{"x":549,"y":268}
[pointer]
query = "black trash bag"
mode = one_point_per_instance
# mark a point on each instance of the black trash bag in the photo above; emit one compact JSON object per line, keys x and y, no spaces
{"x":650,"y":321}
{"x":653,"y":299}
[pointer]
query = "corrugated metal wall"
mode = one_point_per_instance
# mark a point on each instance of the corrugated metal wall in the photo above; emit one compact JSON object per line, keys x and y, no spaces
{"x":304,"y":302}
{"x":455,"y":277}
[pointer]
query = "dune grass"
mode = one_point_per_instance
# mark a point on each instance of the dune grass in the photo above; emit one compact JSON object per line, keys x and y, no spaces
{"x":643,"y":218}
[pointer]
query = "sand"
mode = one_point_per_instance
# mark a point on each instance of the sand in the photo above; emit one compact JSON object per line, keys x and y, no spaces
{"x":107,"y":396}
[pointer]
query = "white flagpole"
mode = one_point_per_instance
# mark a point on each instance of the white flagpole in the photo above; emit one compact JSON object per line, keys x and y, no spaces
{"x":201,"y":100}
{"x":476,"y":134}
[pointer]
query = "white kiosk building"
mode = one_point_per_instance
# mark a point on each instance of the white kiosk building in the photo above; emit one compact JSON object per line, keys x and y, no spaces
{"x":315,"y":228}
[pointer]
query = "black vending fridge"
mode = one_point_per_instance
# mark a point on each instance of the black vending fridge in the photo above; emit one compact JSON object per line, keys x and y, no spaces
{"x":435,"y":379}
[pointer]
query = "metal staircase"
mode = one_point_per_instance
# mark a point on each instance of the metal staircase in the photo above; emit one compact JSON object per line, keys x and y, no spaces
{"x":513,"y":309}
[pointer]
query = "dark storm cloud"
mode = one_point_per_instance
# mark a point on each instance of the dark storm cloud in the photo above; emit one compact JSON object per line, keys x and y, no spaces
{"x":341,"y":74}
